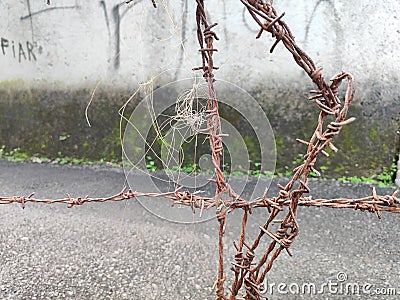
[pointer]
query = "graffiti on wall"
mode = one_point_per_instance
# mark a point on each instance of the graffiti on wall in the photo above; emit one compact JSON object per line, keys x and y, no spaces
{"x":114,"y":29}
{"x":113,"y":23}
{"x":20,"y":51}
{"x":32,"y":14}
{"x":112,"y":16}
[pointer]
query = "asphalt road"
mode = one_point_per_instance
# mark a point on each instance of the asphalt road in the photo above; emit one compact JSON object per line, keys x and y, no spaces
{"x":121,"y":251}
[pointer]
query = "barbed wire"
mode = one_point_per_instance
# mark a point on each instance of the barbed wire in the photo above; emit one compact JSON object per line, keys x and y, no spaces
{"x":249,"y":273}
{"x":327,"y":100}
{"x":206,"y":35}
{"x":374,"y":203}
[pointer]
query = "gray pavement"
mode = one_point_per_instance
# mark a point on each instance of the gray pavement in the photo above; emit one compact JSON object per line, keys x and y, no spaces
{"x":121,"y":251}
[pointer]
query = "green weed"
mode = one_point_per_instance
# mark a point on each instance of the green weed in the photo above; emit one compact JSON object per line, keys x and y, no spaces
{"x":383,"y":179}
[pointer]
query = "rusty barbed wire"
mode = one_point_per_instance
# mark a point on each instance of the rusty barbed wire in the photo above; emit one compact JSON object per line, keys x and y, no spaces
{"x":327,"y":100}
{"x":248,"y":272}
{"x":205,"y":35}
{"x":374,"y":203}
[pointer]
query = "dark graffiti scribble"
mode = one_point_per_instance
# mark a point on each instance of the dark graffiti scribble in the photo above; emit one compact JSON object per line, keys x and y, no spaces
{"x":183,"y":30}
{"x":339,"y":34}
{"x":28,"y":2}
{"x":117,"y":35}
{"x":244,"y":13}
{"x":184,"y":22}
{"x":307,"y":30}
{"x":21,"y":51}
{"x":225,"y":27}
{"x":334,"y":11}
{"x":31,"y":14}
{"x":103,"y":5}
{"x":117,"y":18}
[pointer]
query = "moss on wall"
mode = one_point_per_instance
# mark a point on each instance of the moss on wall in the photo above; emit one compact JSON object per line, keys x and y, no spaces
{"x":366,"y":147}
{"x":52,"y":123}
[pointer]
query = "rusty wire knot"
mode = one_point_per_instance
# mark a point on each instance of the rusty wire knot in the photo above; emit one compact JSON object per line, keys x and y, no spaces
{"x":75,"y":201}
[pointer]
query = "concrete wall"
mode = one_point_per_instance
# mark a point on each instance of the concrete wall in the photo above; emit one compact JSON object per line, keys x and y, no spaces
{"x":79,"y":42}
{"x":64,"y":49}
